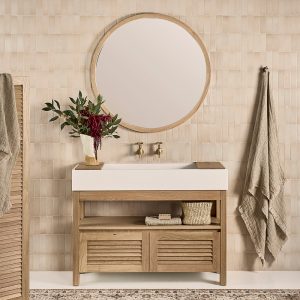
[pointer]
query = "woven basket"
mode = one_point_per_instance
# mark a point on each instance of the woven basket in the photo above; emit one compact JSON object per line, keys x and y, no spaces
{"x":196,"y":213}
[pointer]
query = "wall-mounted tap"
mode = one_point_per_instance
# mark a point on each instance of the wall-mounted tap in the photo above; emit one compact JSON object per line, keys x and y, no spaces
{"x":140,"y":151}
{"x":159,"y":149}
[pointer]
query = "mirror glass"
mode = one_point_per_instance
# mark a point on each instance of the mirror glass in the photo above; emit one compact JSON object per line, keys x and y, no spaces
{"x":152,"y":70}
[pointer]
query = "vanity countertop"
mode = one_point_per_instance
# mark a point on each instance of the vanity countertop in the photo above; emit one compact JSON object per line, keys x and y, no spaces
{"x":164,"y":176}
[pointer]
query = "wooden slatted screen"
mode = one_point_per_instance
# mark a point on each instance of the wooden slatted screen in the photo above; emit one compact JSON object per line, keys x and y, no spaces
{"x":13,"y":225}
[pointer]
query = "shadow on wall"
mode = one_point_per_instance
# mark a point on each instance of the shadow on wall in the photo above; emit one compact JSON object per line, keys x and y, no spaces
{"x":239,"y":187}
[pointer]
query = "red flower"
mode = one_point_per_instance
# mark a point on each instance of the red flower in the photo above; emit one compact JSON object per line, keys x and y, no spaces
{"x":95,"y":124}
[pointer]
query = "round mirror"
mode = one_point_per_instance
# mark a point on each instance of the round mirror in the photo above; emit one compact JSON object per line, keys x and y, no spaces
{"x":151,"y":69}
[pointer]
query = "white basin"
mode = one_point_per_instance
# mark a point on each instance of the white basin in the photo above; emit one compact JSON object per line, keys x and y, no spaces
{"x":164,"y":176}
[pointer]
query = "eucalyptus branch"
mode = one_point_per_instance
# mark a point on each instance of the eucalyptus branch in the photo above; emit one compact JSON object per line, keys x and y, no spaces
{"x":84,"y":117}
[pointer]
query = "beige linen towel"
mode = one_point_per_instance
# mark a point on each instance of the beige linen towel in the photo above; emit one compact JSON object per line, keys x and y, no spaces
{"x":9,"y":139}
{"x":263,"y":205}
{"x":153,"y":221}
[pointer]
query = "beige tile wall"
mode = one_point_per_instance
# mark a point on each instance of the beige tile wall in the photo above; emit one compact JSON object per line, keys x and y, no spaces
{"x":51,"y":42}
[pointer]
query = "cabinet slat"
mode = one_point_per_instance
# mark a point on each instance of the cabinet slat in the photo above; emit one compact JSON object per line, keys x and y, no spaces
{"x":185,"y":242}
{"x":115,"y":262}
{"x":185,"y":262}
{"x":116,"y":247}
{"x":114,"y":243}
{"x":109,"y":258}
{"x":184,"y":254}
{"x":95,"y":252}
{"x":183,"y":246}
{"x":117,"y":254}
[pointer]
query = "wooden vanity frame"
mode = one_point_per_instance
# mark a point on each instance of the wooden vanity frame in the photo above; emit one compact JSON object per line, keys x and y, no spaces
{"x":92,"y":235}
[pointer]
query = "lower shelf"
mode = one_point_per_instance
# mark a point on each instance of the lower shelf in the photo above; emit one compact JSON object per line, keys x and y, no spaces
{"x":132,"y":223}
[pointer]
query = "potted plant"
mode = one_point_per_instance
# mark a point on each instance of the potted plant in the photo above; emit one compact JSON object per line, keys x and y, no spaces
{"x":87,"y":121}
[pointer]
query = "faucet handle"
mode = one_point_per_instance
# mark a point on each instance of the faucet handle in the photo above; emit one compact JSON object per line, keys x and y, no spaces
{"x":140,"y":152}
{"x":159,"y":149}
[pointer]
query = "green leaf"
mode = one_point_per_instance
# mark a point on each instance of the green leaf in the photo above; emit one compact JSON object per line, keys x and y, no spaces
{"x":46,"y":108}
{"x":58,"y":112}
{"x":49,"y":104}
{"x":116,"y":136}
{"x":114,"y":118}
{"x":73,"y":124}
{"x":57,"y":103}
{"x":97,"y":108}
{"x":100,"y":100}
{"x":72,"y":100}
{"x":69,"y":113}
{"x":63,"y":125}
{"x":112,"y":130}
{"x":117,"y":122}
{"x":80,"y":94}
{"x":53,"y":119}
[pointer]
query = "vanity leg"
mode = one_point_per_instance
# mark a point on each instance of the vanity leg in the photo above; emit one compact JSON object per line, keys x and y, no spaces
{"x":76,"y":216}
{"x":76,"y":278}
{"x":223,"y":268}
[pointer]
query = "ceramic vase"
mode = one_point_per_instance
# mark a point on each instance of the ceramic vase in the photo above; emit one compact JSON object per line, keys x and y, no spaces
{"x":88,"y":150}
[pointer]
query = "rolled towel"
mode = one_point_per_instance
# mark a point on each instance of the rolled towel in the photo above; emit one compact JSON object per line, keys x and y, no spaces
{"x":152,"y":221}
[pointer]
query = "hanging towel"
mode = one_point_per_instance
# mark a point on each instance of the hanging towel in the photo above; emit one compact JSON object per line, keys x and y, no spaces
{"x":9,"y":139}
{"x":263,"y":206}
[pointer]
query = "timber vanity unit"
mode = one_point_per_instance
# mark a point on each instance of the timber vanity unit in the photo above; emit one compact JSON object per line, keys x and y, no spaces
{"x":126,"y":244}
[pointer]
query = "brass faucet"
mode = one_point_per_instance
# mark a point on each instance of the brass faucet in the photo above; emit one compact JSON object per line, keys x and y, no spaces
{"x":140,"y":151}
{"x":159,"y":149}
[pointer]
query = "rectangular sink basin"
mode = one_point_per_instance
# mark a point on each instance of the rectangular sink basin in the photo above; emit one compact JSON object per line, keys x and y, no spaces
{"x":164,"y":176}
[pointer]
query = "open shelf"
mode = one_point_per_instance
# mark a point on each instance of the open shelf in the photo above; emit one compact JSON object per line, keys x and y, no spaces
{"x":131,"y":223}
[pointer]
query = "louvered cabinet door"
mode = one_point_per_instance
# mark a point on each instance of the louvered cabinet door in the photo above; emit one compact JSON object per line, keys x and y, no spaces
{"x":114,"y":251}
{"x":13,"y":225}
{"x":185,"y":251}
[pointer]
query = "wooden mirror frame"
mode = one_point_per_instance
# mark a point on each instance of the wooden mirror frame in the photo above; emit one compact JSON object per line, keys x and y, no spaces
{"x":106,"y":35}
